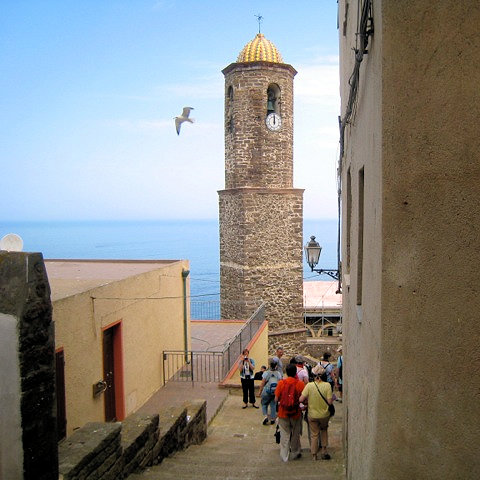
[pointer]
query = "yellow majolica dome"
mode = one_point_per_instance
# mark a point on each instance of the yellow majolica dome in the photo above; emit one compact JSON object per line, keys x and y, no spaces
{"x":260,"y":50}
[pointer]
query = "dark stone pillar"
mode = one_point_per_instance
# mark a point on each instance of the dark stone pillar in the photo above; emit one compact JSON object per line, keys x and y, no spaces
{"x":27,"y":335}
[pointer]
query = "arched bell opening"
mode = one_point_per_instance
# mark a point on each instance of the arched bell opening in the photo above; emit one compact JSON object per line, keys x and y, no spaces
{"x":273,"y":99}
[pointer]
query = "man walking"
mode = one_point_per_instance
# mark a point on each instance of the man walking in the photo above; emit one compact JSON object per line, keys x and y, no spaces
{"x":278,"y":358}
{"x":287,"y":394}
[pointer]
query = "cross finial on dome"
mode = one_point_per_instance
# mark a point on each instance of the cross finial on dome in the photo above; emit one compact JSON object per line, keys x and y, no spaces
{"x":260,"y":20}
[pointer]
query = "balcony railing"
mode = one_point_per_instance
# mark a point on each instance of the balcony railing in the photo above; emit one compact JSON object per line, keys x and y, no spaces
{"x":222,"y":310}
{"x":201,"y":366}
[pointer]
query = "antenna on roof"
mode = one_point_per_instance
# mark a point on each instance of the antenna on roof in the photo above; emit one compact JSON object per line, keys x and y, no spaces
{"x":260,"y":20}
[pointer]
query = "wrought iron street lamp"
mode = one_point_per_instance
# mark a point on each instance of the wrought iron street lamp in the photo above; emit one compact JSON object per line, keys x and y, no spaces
{"x":312,"y":255}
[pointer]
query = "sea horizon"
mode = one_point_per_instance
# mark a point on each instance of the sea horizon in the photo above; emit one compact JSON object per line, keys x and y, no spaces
{"x":196,"y":240}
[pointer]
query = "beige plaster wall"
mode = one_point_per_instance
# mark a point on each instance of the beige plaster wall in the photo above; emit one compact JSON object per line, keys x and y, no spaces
{"x":258,"y":351}
{"x":150,"y":309}
{"x":362,"y":323}
{"x":412,"y":363}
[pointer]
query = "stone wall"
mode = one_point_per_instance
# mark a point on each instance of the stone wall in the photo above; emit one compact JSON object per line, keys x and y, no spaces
{"x":261,"y":214}
{"x":294,"y":342}
{"x":261,"y":253}
{"x":255,"y":156}
{"x":112,"y":451}
{"x":27,"y":354}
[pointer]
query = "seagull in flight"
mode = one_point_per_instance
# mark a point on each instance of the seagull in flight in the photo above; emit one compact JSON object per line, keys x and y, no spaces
{"x":183,"y":118}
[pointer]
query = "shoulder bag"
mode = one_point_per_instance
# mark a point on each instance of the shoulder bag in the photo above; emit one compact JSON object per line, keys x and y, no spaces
{"x":331,"y":407}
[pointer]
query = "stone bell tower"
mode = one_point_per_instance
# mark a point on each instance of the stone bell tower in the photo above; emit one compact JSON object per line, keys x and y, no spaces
{"x":261,"y":214}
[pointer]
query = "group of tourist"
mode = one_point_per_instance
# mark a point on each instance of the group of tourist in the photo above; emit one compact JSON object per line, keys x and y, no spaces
{"x":304,"y":393}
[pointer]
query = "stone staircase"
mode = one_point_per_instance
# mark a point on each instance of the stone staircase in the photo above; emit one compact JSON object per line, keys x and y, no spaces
{"x":239,"y":447}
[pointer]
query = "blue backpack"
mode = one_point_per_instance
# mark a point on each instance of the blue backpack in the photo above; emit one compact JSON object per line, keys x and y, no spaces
{"x":271,"y":384}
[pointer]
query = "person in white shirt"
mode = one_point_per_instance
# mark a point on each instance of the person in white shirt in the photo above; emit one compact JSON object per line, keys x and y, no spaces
{"x":246,"y":366}
{"x":302,"y":372}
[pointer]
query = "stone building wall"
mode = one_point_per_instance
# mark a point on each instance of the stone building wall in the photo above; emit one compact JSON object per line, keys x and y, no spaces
{"x":28,"y":447}
{"x":294,"y":342}
{"x":261,"y":214}
{"x":255,"y":156}
{"x":261,"y":236}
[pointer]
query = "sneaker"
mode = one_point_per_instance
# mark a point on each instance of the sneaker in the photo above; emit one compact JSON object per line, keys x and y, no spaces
{"x":272,"y":422}
{"x":326,"y":456}
{"x":298,"y":455}
{"x":265,"y":421}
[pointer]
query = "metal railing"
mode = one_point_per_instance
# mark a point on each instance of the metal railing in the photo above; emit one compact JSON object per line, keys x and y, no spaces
{"x":198,"y":366}
{"x":192,"y":366}
{"x":234,"y":348}
{"x":205,"y":310}
{"x":222,"y":309}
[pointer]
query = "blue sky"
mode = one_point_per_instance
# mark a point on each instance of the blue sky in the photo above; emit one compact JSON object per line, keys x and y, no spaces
{"x":89,"y":90}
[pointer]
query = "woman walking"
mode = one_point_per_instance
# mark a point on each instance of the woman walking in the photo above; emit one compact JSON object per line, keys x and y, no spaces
{"x":246,"y":366}
{"x":267,"y":392}
{"x":319,"y":396}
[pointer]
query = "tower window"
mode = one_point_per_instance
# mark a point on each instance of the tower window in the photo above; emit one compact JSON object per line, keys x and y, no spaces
{"x":273,"y":98}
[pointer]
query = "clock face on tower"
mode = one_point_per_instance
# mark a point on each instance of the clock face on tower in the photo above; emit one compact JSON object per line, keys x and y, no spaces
{"x":273,"y":122}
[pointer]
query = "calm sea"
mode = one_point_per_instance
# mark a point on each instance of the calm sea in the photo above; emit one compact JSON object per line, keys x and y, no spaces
{"x":195,"y":240}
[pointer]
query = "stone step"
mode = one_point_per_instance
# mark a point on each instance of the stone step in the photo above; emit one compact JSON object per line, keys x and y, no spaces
{"x":219,"y":455}
{"x":231,"y":474}
{"x":211,"y":464}
{"x":216,"y":468}
{"x":239,"y":447}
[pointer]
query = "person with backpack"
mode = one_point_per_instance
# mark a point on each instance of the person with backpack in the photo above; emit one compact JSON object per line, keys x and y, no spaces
{"x":259,"y":375}
{"x":329,"y":369}
{"x":287,"y":394}
{"x":267,"y":392}
{"x":340,"y":374}
{"x":318,"y":394}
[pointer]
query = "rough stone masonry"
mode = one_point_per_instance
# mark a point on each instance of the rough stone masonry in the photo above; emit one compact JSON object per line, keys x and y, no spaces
{"x":28,"y":448}
{"x":261,"y":214}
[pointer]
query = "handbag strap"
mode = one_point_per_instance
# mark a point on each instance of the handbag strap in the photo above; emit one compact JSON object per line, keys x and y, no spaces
{"x":321,"y":394}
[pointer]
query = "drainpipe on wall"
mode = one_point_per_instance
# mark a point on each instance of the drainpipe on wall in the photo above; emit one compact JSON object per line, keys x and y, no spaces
{"x":185,"y":274}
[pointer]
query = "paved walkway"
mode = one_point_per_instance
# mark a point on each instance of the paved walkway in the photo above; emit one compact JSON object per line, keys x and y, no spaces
{"x":213,"y":336}
{"x":239,"y":447}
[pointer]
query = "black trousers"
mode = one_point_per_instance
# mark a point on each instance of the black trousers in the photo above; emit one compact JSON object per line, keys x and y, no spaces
{"x":248,"y":388}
